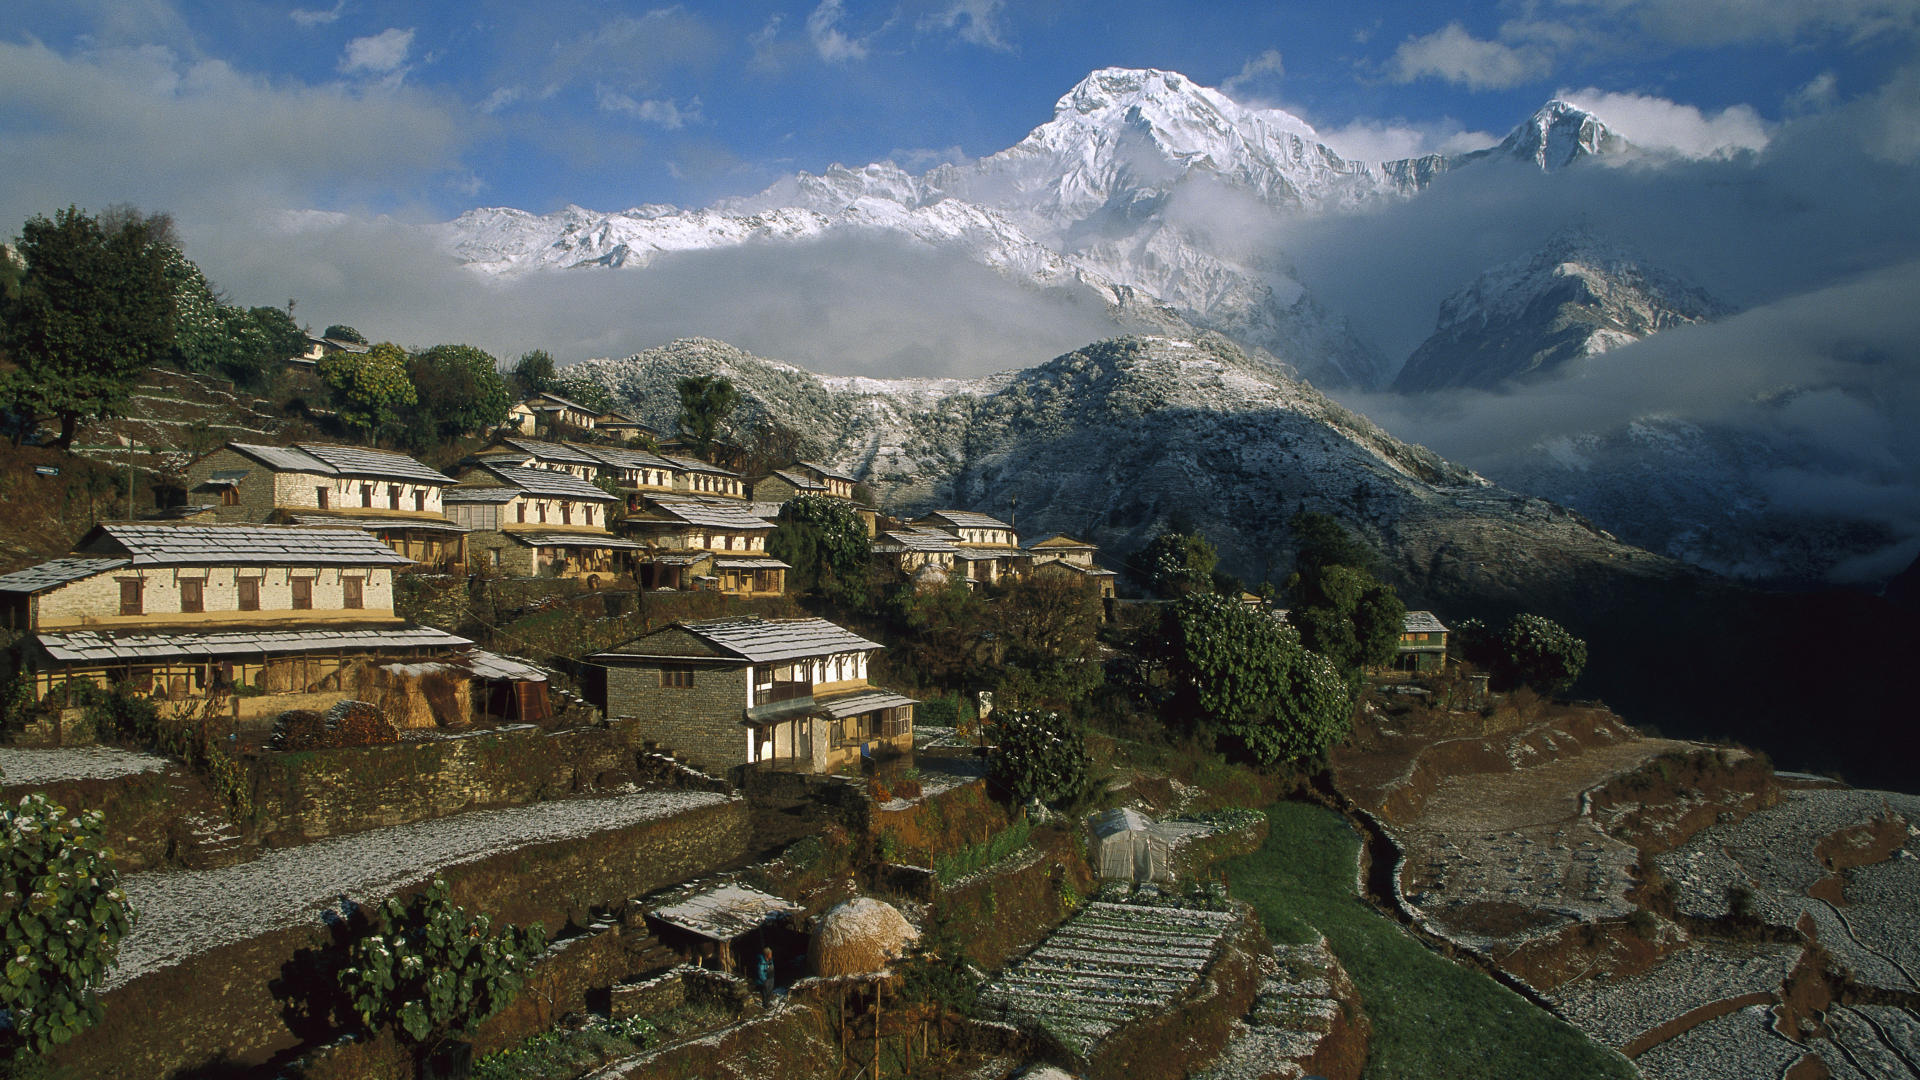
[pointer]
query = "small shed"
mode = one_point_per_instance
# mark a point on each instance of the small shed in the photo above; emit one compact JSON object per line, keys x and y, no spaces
{"x":728,"y":924}
{"x":1127,"y":847}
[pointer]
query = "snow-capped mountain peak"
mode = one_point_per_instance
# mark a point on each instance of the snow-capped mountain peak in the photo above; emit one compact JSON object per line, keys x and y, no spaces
{"x":1558,"y":134}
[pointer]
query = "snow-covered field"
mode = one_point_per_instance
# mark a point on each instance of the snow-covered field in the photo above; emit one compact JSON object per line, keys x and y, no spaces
{"x":34,"y":765}
{"x":180,"y":915}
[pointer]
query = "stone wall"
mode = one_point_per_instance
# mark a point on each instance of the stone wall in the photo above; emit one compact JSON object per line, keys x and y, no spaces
{"x":701,"y":722}
{"x":240,"y":1006}
{"x":307,"y":795}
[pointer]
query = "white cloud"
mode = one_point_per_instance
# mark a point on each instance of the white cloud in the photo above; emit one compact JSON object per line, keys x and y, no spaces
{"x":1655,"y":123}
{"x":1392,"y":140}
{"x":1724,"y":22}
{"x":1265,"y":66}
{"x":833,"y":45}
{"x":307,"y":18}
{"x":978,"y":22}
{"x":1453,"y":54}
{"x":1820,"y":93}
{"x":383,"y":53}
{"x":659,"y":112}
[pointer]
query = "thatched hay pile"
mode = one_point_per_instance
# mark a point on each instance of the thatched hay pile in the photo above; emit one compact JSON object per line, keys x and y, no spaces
{"x":859,"y":936}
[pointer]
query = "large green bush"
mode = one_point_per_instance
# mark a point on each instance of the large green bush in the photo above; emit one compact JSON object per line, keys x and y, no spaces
{"x":63,"y":913}
{"x":1038,"y":757}
{"x":429,"y":969}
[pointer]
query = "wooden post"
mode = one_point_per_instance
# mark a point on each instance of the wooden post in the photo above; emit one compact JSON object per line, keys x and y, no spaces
{"x":879,"y":990}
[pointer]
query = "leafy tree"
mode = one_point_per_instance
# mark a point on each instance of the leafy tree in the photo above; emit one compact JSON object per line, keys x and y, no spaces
{"x":533,"y":374}
{"x":1047,"y":625}
{"x":1320,"y":540}
{"x":943,"y":640}
{"x":1038,"y":757}
{"x":1541,"y":653}
{"x":825,"y":541}
{"x":584,"y":392}
{"x":431,"y":970}
{"x":210,"y":335}
{"x":705,"y":403}
{"x":94,"y":308}
{"x":63,"y":914}
{"x":10,"y":272}
{"x":1345,"y":615}
{"x":1178,"y":563}
{"x":616,"y":511}
{"x":343,"y":332}
{"x":370,"y":388}
{"x":460,"y":392}
{"x":1244,"y":674}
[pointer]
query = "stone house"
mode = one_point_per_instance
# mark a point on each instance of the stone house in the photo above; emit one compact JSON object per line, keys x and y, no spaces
{"x":392,"y":496}
{"x":620,"y":426}
{"x":802,"y":478}
{"x":636,"y":473}
{"x":696,"y":477}
{"x":1062,"y":554}
{"x":245,"y":621}
{"x":515,"y":452}
{"x":714,"y":543}
{"x":986,"y":549}
{"x":788,"y":694}
{"x":1423,"y":643}
{"x":534,"y":522}
{"x":549,"y":412}
{"x":909,"y":549}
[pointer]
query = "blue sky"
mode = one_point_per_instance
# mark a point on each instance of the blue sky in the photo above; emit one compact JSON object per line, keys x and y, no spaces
{"x":420,"y":111}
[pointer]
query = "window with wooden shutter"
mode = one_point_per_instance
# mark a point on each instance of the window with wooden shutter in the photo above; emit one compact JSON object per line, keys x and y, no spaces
{"x":192,"y":595}
{"x":676,"y":675}
{"x":130,"y":598}
{"x":352,"y":595}
{"x":249,"y":589}
{"x":320,"y":497}
{"x":302,"y":593}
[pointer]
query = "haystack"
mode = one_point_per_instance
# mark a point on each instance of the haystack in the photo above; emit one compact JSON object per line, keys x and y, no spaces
{"x":859,"y":936}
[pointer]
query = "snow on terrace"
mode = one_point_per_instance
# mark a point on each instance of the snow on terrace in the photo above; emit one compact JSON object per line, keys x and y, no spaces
{"x":1614,"y":1012}
{"x":46,"y":766}
{"x":1114,"y":963}
{"x":183,"y":914}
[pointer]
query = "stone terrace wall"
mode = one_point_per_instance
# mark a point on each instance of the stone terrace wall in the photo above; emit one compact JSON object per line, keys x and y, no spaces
{"x":242,"y":1005}
{"x":307,"y":795}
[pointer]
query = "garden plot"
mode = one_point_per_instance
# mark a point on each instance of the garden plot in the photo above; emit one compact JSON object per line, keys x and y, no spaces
{"x":1873,"y":936}
{"x":183,"y":914}
{"x":1872,"y":1042}
{"x":1297,"y":1008}
{"x":27,"y":765}
{"x":1111,"y":964}
{"x":1617,"y":1011}
{"x":1738,"y":1046}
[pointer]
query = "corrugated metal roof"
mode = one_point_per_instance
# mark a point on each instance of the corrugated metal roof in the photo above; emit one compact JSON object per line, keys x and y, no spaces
{"x":749,"y":564}
{"x":768,"y":640}
{"x":1423,"y":622}
{"x":864,"y":701}
{"x":696,"y":465}
{"x":371,"y":524}
{"x":56,"y":572}
{"x":552,"y":451}
{"x":93,"y":646}
{"x":967,"y":519}
{"x":707,"y":514}
{"x":571,"y":539}
{"x":249,"y":545}
{"x":360,"y":461}
{"x":550,"y":483}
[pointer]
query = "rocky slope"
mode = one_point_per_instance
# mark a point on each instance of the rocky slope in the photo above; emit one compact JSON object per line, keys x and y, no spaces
{"x":1576,"y":297}
{"x":1112,"y":441}
{"x":1144,"y":188}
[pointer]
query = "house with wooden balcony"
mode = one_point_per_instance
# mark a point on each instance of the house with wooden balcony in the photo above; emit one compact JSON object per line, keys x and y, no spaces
{"x":392,"y":496}
{"x":712,"y":543}
{"x":549,"y":412}
{"x":1061,"y":554}
{"x":513,"y":451}
{"x":1423,"y":643}
{"x":986,"y":549}
{"x":696,"y":477}
{"x":636,"y":473}
{"x":909,"y":549}
{"x":527,"y":521}
{"x":801,"y":478}
{"x":239,"y":621}
{"x":624,"y":428}
{"x":731,"y":694}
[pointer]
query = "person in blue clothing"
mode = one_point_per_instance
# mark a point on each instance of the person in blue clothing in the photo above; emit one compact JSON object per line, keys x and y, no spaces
{"x":763,"y":974}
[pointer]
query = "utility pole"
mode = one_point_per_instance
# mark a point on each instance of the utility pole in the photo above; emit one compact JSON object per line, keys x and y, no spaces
{"x":128,"y":439}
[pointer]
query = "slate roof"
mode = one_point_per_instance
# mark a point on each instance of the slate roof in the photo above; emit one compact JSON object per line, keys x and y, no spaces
{"x":725,"y":912}
{"x":545,"y":395}
{"x":93,"y":646}
{"x":1423,"y":622}
{"x":573,"y":539}
{"x":246,"y":545}
{"x":622,"y":458}
{"x":967,"y":519}
{"x":371,"y":523}
{"x":760,"y":641}
{"x":979,"y":554}
{"x":329,"y":460}
{"x":919,"y":540}
{"x":831,"y":474}
{"x":552,"y":451}
{"x":491,"y":493}
{"x":688,"y":464}
{"x":548,"y":483}
{"x":1087,"y":571}
{"x":57,"y":572}
{"x":864,"y":701}
{"x":709,"y":515}
{"x":749,"y":564}
{"x":678,"y":558}
{"x":800,"y":480}
{"x":1059,"y":542}
{"x":490,"y":665}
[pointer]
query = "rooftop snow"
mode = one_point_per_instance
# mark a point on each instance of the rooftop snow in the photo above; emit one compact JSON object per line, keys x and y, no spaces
{"x":92,"y":646}
{"x":252,"y":545}
{"x":725,"y":912}
{"x":56,"y":572}
{"x":490,"y":665}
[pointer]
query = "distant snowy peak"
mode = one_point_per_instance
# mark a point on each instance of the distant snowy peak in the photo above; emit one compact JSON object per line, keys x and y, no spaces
{"x":1578,"y":296}
{"x":1557,"y":135}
